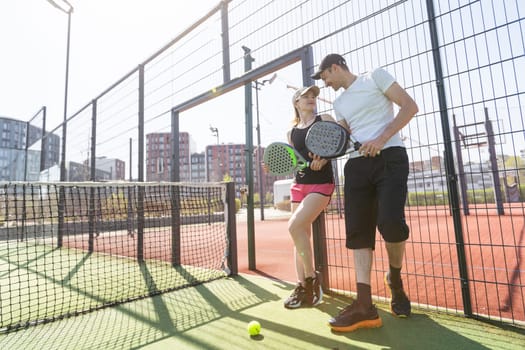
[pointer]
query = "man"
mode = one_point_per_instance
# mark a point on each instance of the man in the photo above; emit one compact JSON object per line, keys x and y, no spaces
{"x":375,"y":182}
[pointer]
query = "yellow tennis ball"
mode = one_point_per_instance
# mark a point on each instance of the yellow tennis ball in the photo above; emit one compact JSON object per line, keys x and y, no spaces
{"x":254,"y":328}
{"x":213,"y":90}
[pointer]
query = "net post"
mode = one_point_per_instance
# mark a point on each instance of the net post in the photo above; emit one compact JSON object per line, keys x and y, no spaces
{"x":91,"y":219}
{"x":320,"y":248}
{"x":24,"y":212}
{"x":231,"y":228}
{"x":140,"y":224}
{"x":60,"y":208}
{"x":130,"y":218}
{"x":175,"y":225}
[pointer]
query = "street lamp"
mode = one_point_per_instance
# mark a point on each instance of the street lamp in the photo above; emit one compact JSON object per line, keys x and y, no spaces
{"x":215,"y":132}
{"x":258,"y":128}
{"x":68,"y":10}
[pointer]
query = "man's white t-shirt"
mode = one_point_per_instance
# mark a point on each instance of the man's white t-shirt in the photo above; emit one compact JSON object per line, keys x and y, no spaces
{"x":366,"y":109}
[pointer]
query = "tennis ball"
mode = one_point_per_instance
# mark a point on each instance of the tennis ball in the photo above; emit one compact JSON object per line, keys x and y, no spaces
{"x":254,"y":328}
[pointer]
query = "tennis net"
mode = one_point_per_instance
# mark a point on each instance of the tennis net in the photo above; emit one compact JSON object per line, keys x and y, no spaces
{"x":69,"y":248}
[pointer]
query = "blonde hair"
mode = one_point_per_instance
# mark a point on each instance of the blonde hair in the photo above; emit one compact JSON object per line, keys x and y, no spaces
{"x":297,"y":117}
{"x":297,"y":95}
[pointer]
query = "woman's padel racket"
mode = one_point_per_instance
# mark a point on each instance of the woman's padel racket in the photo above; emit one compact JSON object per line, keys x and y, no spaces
{"x":283,"y":159}
{"x":328,"y":139}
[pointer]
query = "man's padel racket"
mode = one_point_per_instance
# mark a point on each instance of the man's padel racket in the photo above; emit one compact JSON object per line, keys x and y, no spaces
{"x":283,"y":159}
{"x":328,"y":139}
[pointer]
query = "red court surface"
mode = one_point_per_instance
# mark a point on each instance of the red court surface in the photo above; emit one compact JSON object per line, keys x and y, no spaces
{"x":494,"y":257}
{"x":431,"y":273}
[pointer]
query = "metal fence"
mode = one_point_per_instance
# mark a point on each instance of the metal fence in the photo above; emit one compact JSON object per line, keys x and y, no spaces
{"x":462,"y":61}
{"x":24,"y":148}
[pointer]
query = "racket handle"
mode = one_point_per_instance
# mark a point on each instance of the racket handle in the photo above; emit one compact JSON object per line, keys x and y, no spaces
{"x":357,"y":144}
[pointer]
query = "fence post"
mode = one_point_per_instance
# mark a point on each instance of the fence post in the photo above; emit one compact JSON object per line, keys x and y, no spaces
{"x":92,"y":207}
{"x":231,"y":229}
{"x":452,"y":179}
{"x":141,"y":189}
{"x":248,"y":59}
{"x":462,"y":179}
{"x":175,"y":190}
{"x":225,"y":42}
{"x":494,"y":163}
{"x":320,"y":250}
{"x":43,"y":144}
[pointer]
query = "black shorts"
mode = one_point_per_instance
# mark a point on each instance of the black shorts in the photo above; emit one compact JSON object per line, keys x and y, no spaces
{"x":375,"y":195}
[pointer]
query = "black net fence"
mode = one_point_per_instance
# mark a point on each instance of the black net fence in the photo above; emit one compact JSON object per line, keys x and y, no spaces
{"x":68,"y":248}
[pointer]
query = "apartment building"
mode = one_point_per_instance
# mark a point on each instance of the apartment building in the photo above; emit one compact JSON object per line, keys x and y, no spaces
{"x":158,"y":156}
{"x":25,"y":151}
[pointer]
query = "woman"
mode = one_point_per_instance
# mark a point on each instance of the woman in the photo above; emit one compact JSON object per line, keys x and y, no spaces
{"x":310,"y":194}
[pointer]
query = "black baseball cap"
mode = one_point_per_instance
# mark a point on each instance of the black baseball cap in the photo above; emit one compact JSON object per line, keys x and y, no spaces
{"x":327,"y":62}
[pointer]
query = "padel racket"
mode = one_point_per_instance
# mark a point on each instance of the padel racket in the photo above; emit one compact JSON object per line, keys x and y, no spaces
{"x":283,"y":159}
{"x":328,"y":139}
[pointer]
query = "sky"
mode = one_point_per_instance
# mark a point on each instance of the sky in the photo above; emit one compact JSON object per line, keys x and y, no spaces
{"x":109,"y":38}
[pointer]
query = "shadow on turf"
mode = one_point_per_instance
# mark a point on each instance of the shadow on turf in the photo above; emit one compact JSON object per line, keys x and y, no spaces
{"x":417,"y":331}
{"x":183,"y":315}
{"x":257,"y":337}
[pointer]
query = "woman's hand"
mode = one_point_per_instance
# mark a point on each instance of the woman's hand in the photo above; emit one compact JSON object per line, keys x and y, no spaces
{"x":317,"y":162}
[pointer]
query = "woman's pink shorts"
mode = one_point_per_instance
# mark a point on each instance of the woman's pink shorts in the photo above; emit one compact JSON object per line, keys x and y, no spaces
{"x":299,"y":191}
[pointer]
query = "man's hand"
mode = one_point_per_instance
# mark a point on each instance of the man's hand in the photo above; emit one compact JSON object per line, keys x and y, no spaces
{"x":372,"y":148}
